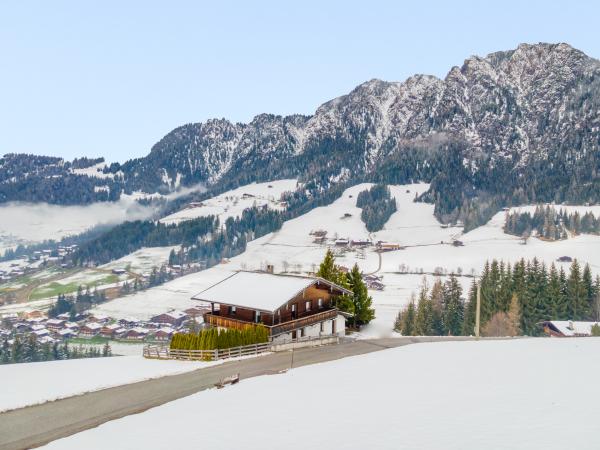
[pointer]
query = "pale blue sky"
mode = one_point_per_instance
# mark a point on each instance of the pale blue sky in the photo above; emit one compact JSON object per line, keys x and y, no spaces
{"x":110,"y":78}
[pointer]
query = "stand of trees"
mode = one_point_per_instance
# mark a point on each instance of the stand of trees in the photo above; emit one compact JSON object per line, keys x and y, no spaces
{"x":28,"y":349}
{"x":360,"y":303}
{"x":513,"y":301}
{"x":551,"y":224}
{"x":131,"y":236}
{"x":82,"y":301}
{"x":439,"y":311}
{"x":377,"y":206}
{"x":215,"y":338}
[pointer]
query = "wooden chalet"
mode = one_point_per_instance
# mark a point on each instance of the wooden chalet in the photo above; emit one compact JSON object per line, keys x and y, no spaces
{"x":173,"y":318}
{"x":291,"y":307}
{"x":567,"y":328}
{"x":90,"y":330}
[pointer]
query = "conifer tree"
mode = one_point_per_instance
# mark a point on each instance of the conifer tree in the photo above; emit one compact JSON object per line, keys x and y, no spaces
{"x":363,"y":312}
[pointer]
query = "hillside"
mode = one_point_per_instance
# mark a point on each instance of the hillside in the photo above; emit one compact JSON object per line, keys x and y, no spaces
{"x":427,"y":250}
{"x":452,"y":395}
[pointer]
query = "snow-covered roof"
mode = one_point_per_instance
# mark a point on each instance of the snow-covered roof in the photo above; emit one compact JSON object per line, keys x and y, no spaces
{"x":259,"y":290}
{"x":573,"y":328}
{"x":92,"y":326}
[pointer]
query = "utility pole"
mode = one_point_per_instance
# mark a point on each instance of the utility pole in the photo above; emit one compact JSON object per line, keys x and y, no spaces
{"x":478,"y":310}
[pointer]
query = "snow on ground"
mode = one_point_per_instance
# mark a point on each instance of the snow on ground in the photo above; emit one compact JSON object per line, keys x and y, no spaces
{"x":33,"y":383}
{"x":143,"y":260}
{"x":94,"y":171}
{"x":428,"y":248}
{"x":519,"y":394}
{"x":233,"y":203}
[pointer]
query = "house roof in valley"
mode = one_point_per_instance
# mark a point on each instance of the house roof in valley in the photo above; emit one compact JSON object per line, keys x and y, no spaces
{"x":571,"y":327}
{"x":260,"y":290}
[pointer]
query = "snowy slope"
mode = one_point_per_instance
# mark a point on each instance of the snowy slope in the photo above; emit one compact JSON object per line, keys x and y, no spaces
{"x":497,"y":395}
{"x":428,"y":248}
{"x":33,"y":383}
{"x":143,"y":260}
{"x":232,"y":203}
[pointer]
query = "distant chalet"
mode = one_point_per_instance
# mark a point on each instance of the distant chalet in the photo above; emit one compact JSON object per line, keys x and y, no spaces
{"x":291,"y":307}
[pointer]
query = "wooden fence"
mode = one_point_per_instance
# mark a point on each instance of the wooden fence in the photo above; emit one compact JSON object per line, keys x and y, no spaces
{"x":164,"y":352}
{"x":152,"y":351}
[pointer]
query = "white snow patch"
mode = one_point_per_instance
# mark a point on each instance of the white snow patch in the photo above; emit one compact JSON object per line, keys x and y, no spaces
{"x":522,"y":394}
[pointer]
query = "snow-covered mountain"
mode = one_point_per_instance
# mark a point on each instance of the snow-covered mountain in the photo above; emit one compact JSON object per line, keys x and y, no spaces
{"x":516,"y":107}
{"x":524,"y":122}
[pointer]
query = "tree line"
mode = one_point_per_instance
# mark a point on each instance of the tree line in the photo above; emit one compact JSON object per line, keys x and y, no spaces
{"x":551,"y":224}
{"x":514,"y":300}
{"x":377,"y":206}
{"x":29,"y":349}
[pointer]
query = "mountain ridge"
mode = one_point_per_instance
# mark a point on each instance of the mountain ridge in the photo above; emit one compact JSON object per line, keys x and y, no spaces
{"x":517,"y":116}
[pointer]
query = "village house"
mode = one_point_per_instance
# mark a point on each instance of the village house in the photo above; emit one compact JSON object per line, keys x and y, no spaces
{"x":111,"y":331}
{"x":164,"y":334}
{"x":129,"y":322}
{"x":99,"y":318}
{"x":173,"y":318}
{"x":55,"y":324}
{"x":291,"y":307}
{"x":90,"y":329}
{"x":567,"y":328}
{"x":135,"y":334}
{"x":66,"y":333}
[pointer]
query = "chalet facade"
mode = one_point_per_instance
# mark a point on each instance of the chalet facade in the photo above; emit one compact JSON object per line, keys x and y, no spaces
{"x":173,"y":318}
{"x":291,"y":307}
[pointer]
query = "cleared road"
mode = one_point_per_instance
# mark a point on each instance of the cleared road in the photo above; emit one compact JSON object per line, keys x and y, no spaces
{"x":37,"y":425}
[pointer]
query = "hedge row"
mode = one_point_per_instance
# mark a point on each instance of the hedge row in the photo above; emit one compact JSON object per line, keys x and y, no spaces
{"x":213,"y":338}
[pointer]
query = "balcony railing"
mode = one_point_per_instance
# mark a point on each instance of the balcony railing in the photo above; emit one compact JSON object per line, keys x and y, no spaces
{"x":284,"y":327}
{"x":303,"y":322}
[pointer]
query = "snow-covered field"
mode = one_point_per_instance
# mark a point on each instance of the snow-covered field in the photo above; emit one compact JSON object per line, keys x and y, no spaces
{"x":34,"y":383}
{"x":232,"y":203}
{"x":428,"y":247}
{"x":495,"y":395}
{"x":143,"y":260}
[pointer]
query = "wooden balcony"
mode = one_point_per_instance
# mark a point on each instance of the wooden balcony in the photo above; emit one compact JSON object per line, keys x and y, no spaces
{"x":215,"y":320}
{"x":303,"y":321}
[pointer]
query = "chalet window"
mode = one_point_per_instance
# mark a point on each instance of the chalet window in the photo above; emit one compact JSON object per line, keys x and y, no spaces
{"x":322,"y":330}
{"x":232,"y":310}
{"x":256,"y":316}
{"x":294,"y":311}
{"x":301,"y":332}
{"x":320,"y":303}
{"x":307,"y":305}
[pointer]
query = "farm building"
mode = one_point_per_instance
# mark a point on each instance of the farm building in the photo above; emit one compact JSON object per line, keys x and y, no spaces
{"x":291,"y":307}
{"x":174,"y":318}
{"x":388,"y":246}
{"x":568,"y":328}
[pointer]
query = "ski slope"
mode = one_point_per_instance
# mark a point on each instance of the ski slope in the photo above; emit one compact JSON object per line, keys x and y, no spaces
{"x":524,"y":394}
